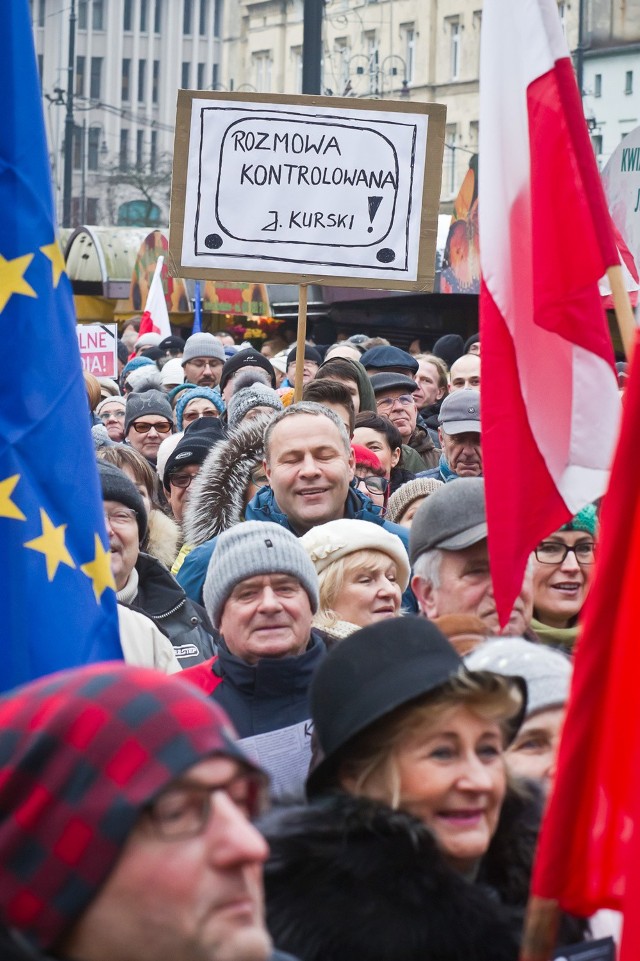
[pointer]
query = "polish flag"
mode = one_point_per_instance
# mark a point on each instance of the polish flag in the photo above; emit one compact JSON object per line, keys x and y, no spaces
{"x":550,"y":402}
{"x":155,"y":318}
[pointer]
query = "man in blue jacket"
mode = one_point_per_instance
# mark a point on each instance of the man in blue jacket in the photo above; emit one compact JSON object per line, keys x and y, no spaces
{"x":309,"y":465}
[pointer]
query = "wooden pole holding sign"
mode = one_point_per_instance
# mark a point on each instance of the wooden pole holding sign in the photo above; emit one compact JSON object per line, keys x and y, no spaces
{"x":623,"y":310}
{"x":540,"y":929}
{"x":300,"y":343}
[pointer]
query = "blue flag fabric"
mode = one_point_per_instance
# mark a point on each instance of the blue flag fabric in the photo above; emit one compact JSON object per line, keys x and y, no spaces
{"x":57,"y":599}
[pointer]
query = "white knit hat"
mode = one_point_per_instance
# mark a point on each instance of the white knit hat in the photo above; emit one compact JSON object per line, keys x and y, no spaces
{"x":172,"y":372}
{"x":329,"y":542}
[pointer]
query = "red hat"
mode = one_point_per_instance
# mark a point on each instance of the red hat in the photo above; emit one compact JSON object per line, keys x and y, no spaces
{"x":367,"y":458}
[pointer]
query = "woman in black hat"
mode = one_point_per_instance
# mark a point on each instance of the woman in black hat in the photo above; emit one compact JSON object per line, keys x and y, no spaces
{"x":413,"y":846}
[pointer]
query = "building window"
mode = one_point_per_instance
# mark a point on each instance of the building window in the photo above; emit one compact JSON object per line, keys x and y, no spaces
{"x":186,"y":76}
{"x":217,"y":17}
{"x":92,"y":210}
{"x":449,"y":163}
{"x":82,"y":14}
{"x":93,"y":151}
{"x":204,"y":10}
{"x":142,"y":72}
{"x":156,"y":81}
{"x":371,"y":52}
{"x":454,"y":49}
{"x":262,"y":63}
{"x":296,"y":62}
{"x":139,"y":149}
{"x":562,"y":12}
{"x":126,"y":79}
{"x":215,"y":70}
{"x":124,"y":149}
{"x":41,"y":13}
{"x":597,"y":85}
{"x":80,"y":72}
{"x":153,"y":153}
{"x":341,"y":73}
{"x":143,"y":16}
{"x":157,"y":17}
{"x":77,"y":148}
{"x":97,"y":20}
{"x":95,"y":85}
{"x":187,"y":16}
{"x":408,"y":33}
{"x":474,"y":129}
{"x":596,"y":140}
{"x":628,"y":82}
{"x":40,"y":69}
{"x":127,"y":16}
{"x":200,"y":85}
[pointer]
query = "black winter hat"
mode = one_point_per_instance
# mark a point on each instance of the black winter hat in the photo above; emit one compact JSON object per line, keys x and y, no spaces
{"x":448,"y":347}
{"x":310,"y":353}
{"x":193,"y":448}
{"x":382,"y":358}
{"x":246,"y":358}
{"x":369,"y":675}
{"x":116,"y":486}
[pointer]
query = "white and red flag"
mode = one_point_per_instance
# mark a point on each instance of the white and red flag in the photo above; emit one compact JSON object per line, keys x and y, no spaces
{"x":155,"y":317}
{"x":550,"y":403}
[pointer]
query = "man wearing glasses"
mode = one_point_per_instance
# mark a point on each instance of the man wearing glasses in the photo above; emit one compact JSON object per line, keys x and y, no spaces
{"x":203,"y":360}
{"x":148,"y":420}
{"x":183,"y":466}
{"x":125,"y":827}
{"x":394,"y":400}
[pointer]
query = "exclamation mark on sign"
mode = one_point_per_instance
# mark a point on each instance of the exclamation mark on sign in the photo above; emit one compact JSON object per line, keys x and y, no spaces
{"x":374,"y":203}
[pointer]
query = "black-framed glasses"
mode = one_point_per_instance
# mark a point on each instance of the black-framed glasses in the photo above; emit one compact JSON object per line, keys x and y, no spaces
{"x":184,"y":811}
{"x":142,"y":427}
{"x":374,"y":484}
{"x":552,"y":552}
{"x":181,"y":480}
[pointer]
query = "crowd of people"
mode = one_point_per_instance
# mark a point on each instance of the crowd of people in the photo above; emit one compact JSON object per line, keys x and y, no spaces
{"x":321,"y":743}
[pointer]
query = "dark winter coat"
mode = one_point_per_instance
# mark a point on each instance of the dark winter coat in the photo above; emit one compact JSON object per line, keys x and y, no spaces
{"x":184,"y":622}
{"x":421,"y":442}
{"x":349,"y":879}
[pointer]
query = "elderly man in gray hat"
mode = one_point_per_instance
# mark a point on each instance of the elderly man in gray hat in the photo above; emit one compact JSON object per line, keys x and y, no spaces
{"x":203,"y":360}
{"x":261,"y":592}
{"x":450,"y":560}
{"x":459,"y":433}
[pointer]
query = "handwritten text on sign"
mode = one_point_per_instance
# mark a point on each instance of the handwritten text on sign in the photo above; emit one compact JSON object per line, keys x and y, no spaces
{"x":98,"y":349}
{"x":304,"y":187}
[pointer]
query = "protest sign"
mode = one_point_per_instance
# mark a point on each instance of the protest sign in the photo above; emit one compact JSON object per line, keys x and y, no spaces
{"x":621,"y":180}
{"x":98,"y":349}
{"x":306,"y":189}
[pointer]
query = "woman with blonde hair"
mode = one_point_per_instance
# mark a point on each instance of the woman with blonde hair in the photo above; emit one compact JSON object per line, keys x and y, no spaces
{"x":362,"y":573}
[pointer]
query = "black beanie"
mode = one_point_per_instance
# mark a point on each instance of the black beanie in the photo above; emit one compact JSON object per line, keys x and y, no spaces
{"x":448,"y":347}
{"x":248,"y":357}
{"x":116,"y":486}
{"x":310,"y":353}
{"x":193,"y":448}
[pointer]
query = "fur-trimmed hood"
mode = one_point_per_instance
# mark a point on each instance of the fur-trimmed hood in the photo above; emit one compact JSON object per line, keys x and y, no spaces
{"x":351,"y":879}
{"x":218,"y":494}
{"x":163,"y":537}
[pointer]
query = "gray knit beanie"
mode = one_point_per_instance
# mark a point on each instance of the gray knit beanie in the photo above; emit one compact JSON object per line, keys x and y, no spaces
{"x":249,"y":550}
{"x":203,"y":345}
{"x":246,"y":399}
{"x":546,"y":671}
{"x":116,"y":486}
{"x":149,"y":402}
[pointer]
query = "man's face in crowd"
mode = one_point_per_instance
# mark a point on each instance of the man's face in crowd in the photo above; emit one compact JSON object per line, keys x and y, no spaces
{"x":465,"y":588}
{"x":123,"y":534}
{"x":399,"y":407}
{"x":465,"y":372}
{"x":184,"y":895}
{"x":147,"y":442}
{"x":266,"y":616}
{"x":180,"y":485}
{"x":428,"y":391}
{"x":309,"y":371}
{"x":203,"y":371}
{"x":309,"y":470}
{"x":463,"y":452}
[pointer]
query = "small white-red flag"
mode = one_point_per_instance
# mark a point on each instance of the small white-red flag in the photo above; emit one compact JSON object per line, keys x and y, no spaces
{"x":155,"y":318}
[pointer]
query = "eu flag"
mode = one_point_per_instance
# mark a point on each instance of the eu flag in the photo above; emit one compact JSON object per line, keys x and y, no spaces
{"x":57,"y":599}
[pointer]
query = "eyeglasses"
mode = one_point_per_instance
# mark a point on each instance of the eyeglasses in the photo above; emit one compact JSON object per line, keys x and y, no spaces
{"x":107,"y":415}
{"x":122,"y":517}
{"x":184,"y":812}
{"x":141,"y":427}
{"x":258,"y":476}
{"x":201,"y":362}
{"x":386,"y":403}
{"x":374,"y":484}
{"x":181,"y":480}
{"x":552,"y":552}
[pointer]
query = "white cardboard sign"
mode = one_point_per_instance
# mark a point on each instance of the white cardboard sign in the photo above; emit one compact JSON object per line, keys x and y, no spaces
{"x":303,"y":188}
{"x":99,"y":349}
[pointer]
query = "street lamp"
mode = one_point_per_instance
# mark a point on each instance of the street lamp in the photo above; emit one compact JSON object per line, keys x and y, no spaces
{"x":69,"y":124}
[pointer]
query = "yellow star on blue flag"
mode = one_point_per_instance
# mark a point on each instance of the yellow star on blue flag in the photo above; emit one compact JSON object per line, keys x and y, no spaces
{"x":51,"y":512}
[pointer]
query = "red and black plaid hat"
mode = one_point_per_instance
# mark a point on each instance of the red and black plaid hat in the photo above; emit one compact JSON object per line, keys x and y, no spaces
{"x":81,"y":753}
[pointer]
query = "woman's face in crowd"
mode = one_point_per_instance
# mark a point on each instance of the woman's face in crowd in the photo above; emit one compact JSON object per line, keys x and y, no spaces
{"x":112,"y":416}
{"x":377,"y":442}
{"x":560,"y":589}
{"x":452,"y":776}
{"x":370,"y":593}
{"x":533,"y":752}
{"x":410,"y":513}
{"x":140,"y":487}
{"x":198,"y":407}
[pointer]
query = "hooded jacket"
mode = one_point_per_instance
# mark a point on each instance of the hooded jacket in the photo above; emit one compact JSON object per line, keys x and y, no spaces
{"x":263,"y":507}
{"x":349,"y":878}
